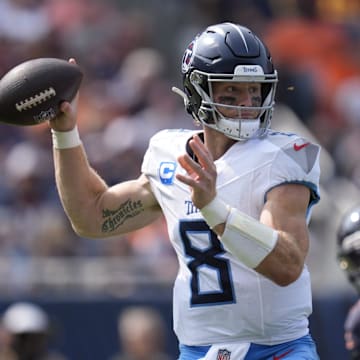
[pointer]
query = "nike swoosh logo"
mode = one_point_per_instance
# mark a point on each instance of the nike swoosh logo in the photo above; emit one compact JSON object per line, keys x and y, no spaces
{"x":279,"y":357}
{"x":299,"y":147}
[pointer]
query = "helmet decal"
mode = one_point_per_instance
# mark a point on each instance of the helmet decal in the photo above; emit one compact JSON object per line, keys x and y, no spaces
{"x":248,"y":70}
{"x":188,"y":57}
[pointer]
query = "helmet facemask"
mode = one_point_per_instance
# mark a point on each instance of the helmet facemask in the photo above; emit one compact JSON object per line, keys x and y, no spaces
{"x":240,"y":126}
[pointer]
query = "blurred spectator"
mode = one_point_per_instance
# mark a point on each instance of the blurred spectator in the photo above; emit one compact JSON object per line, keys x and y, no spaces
{"x":140,"y":71}
{"x":30,"y":17}
{"x":26,"y":334}
{"x":142,"y":335}
{"x":347,"y":106}
{"x":315,"y":57}
{"x":36,"y":224}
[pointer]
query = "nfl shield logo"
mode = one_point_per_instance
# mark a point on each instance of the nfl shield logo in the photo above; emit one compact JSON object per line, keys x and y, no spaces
{"x":223,"y":354}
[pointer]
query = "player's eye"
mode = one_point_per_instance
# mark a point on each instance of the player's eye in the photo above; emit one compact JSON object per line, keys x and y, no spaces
{"x":230,"y":88}
{"x":254,"y":89}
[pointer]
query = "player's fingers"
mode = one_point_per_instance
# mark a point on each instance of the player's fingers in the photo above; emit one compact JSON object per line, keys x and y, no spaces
{"x":198,"y":178}
{"x":187,"y":180}
{"x":189,"y":165}
{"x":65,"y":107}
{"x":192,"y":169}
{"x":202,"y":153}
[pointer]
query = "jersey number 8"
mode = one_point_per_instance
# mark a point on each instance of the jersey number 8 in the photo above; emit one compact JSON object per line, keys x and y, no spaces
{"x":210,"y":258}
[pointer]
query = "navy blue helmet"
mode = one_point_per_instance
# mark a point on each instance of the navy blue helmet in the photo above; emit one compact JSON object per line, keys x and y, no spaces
{"x":232,"y":53}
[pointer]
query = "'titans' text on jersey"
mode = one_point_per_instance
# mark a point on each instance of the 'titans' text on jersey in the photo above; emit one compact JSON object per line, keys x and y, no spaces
{"x":253,"y":308}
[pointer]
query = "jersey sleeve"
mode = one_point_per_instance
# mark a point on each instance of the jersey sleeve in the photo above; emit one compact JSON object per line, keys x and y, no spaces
{"x":145,"y":166}
{"x":148,"y":166}
{"x":298,"y":162}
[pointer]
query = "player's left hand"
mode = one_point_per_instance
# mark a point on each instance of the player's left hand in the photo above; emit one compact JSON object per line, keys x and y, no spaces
{"x":201,"y":175}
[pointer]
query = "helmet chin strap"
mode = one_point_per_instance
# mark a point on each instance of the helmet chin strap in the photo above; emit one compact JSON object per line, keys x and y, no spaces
{"x":237,"y":129}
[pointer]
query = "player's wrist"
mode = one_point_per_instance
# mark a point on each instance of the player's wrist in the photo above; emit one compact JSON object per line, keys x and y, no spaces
{"x":215,"y":212}
{"x":66,"y":139}
{"x":247,"y":238}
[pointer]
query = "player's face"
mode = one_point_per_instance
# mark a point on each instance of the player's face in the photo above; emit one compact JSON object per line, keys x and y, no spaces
{"x":240,"y":95}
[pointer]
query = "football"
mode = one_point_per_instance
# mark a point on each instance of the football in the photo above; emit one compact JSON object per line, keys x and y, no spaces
{"x":31,"y":92}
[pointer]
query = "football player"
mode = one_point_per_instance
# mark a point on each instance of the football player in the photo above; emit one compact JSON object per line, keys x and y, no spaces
{"x":237,"y":198}
{"x":348,"y":253}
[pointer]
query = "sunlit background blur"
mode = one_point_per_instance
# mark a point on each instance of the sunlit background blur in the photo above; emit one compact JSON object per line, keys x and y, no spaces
{"x":130,"y":53}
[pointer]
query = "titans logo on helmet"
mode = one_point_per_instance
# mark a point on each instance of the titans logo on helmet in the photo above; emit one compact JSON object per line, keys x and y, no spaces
{"x":188,"y":57}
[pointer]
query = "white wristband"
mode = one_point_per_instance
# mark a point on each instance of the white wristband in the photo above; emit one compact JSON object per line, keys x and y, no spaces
{"x":215,"y":212}
{"x":248,"y":239}
{"x":66,"y":139}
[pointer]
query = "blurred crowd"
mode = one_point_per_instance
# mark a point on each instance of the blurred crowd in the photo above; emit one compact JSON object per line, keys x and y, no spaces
{"x":125,"y":98}
{"x":26,"y":333}
{"x":30,"y":331}
{"x":130,"y":54}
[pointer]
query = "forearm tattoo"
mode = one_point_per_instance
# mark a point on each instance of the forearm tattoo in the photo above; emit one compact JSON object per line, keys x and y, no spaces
{"x":115,"y":218}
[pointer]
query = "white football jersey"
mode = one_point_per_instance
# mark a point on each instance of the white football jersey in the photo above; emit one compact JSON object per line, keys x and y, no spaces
{"x":217,"y":298}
